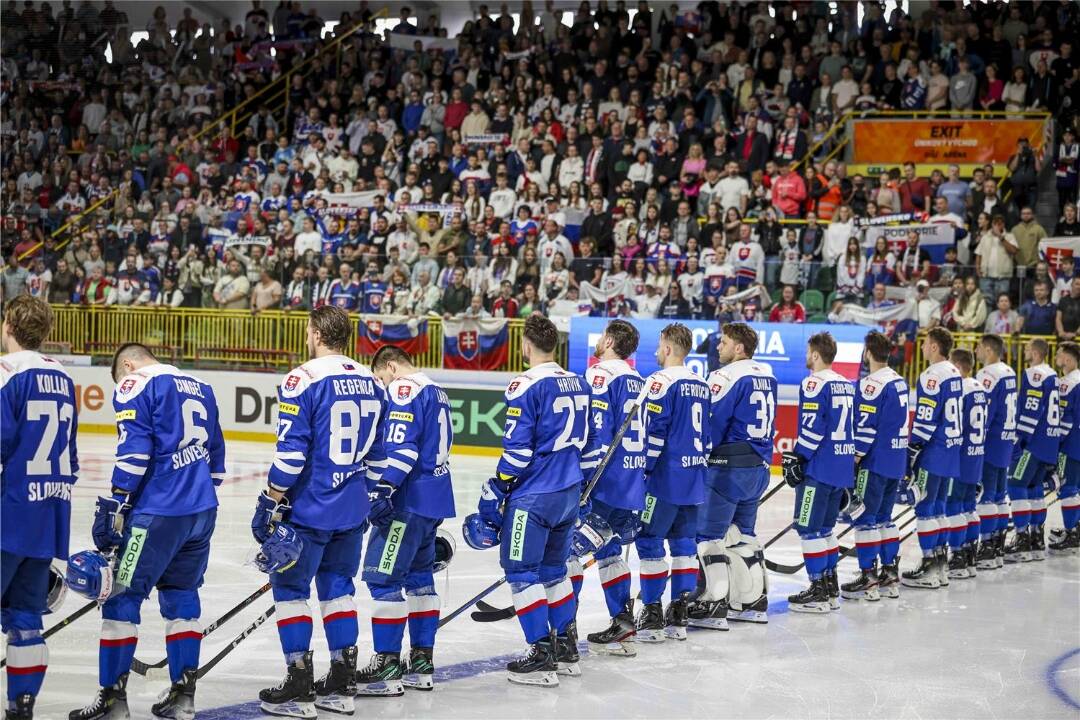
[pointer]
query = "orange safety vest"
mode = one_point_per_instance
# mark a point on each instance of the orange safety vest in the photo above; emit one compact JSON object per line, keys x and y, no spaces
{"x":830,"y":201}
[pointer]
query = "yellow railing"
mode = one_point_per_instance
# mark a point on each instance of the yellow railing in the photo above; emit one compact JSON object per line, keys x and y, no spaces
{"x":1014,"y":351}
{"x":233,"y":338}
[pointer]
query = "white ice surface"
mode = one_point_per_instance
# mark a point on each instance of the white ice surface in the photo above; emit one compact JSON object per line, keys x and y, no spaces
{"x":1006,"y":645}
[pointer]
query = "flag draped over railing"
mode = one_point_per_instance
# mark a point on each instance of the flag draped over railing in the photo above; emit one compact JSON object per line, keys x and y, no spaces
{"x":470,"y":344}
{"x":374,"y":331}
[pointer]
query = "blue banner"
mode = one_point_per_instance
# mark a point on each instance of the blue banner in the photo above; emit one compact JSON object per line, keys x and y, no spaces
{"x":782,"y":345}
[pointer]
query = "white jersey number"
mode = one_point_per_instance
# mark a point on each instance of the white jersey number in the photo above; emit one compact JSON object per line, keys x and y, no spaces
{"x":54,"y":414}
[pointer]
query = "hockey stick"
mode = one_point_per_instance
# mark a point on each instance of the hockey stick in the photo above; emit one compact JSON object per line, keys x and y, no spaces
{"x":63,"y":623}
{"x":141,"y":668}
{"x":236,"y":641}
{"x":615,"y":442}
{"x":486,"y":612}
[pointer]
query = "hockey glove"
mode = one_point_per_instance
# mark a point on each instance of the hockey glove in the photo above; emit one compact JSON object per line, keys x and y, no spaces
{"x":382,"y":505}
{"x":109,"y":518}
{"x":1051,"y":480}
{"x":794,"y":469}
{"x":268,"y":512}
{"x":493,"y":500}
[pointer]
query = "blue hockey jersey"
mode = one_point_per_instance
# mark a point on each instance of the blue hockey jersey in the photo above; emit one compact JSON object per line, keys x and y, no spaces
{"x":345,"y":295}
{"x":975,"y":407}
{"x":676,"y":422}
{"x":743,"y":407}
{"x":1069,"y":398}
{"x":616,"y":388}
{"x":826,"y":428}
{"x":881,"y":423}
{"x":1037,"y":424}
{"x":999,"y":382}
{"x":40,"y":461}
{"x":417,"y":439}
{"x":546,"y":430}
{"x":330,"y":442}
{"x":372,"y":292}
{"x":937,"y":426}
{"x":170,"y":453}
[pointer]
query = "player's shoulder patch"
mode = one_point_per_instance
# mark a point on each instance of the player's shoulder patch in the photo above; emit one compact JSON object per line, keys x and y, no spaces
{"x":403,"y":391}
{"x":812,"y":385}
{"x":598,"y":378}
{"x":657,"y":384}
{"x":131,"y":386}
{"x":518,"y":386}
{"x":296,"y":381}
{"x":870,"y":387}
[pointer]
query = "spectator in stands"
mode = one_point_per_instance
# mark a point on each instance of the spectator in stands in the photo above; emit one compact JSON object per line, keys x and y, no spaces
{"x":1067,"y":168}
{"x":1067,"y":321}
{"x":1003,"y":320}
{"x":1028,"y":232}
{"x":1068,"y":223}
{"x":789,"y":309}
{"x":266,"y":294}
{"x":994,"y":258}
{"x":971,"y":317}
{"x":233,"y":288}
{"x":1038,"y":315}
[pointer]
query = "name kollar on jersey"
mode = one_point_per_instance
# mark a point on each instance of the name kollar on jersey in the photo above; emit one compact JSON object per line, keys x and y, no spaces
{"x":53,"y":384}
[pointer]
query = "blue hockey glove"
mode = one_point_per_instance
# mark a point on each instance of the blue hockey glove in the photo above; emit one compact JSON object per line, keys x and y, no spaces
{"x":492,"y":500}
{"x":268,"y":512}
{"x":382,"y":506}
{"x":110,"y":514}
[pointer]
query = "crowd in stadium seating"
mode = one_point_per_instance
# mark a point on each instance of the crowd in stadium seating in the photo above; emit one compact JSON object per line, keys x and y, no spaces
{"x":620,"y":150}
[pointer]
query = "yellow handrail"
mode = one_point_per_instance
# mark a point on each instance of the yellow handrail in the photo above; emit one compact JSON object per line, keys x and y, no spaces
{"x":234,"y":338}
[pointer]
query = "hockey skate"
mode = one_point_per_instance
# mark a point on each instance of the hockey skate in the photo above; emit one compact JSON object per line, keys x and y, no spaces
{"x":864,"y":587}
{"x":1019,"y":550}
{"x":889,"y":580}
{"x":566,"y":651}
{"x":650,"y":624}
{"x":986,"y":558}
{"x":708,"y":614}
{"x":1066,"y":544}
{"x":420,"y":674}
{"x":294,"y":696}
{"x":1038,"y":543}
{"x":832,"y":584}
{"x":959,"y":567}
{"x":941,"y":564}
{"x":382,"y":676}
{"x":999,"y":548}
{"x":178,"y":702}
{"x":109,"y":704}
{"x":676,"y":617}
{"x":618,"y":638}
{"x":334,"y":691}
{"x":538,"y":667}
{"x":23,"y":709}
{"x":814,"y":599}
{"x":755,"y":612}
{"x":925,"y":576}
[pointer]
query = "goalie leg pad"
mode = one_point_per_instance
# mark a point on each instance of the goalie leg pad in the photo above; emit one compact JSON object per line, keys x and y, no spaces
{"x":746,"y":563}
{"x":714,"y":563}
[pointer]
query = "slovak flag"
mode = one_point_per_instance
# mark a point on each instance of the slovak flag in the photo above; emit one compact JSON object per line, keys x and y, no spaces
{"x":470,"y":344}
{"x":374,"y":331}
{"x":1053,"y":249}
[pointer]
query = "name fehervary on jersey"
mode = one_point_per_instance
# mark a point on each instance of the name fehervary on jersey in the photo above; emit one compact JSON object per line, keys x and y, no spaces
{"x":51,"y":384}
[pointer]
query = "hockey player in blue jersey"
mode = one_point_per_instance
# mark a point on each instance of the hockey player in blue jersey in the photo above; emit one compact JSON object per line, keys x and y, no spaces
{"x":408,"y":504}
{"x":822,"y":468}
{"x":1068,"y":362}
{"x":531,"y":505}
{"x":329,"y":448}
{"x":40,"y":465}
{"x":741,"y":420}
{"x":961,"y":518}
{"x":881,"y":440}
{"x":998,"y":379}
{"x":934,"y":456}
{"x":170,"y":457}
{"x":619,"y":495}
{"x":676,"y":423}
{"x":1035,"y":454}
